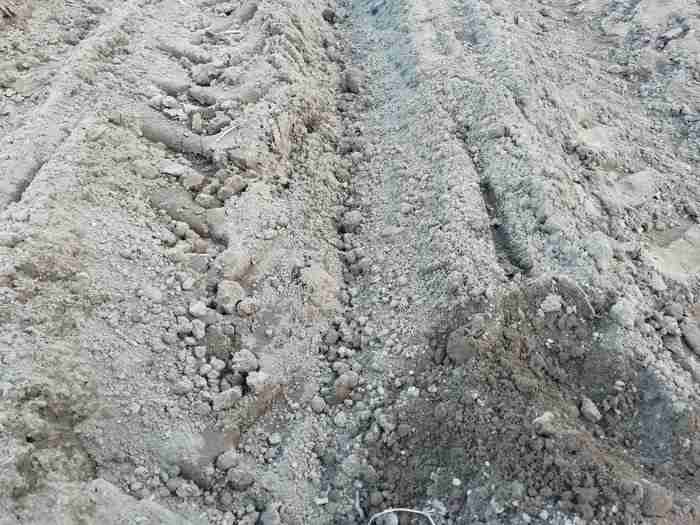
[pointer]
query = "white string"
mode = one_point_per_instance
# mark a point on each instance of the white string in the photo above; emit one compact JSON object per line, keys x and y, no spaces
{"x":410,"y":511}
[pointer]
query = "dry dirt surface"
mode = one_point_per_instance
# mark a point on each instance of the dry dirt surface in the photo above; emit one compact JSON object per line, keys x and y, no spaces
{"x":298,"y":262}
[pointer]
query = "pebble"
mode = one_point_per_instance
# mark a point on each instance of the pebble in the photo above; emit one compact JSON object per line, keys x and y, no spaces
{"x":228,"y":295}
{"x":192,"y":180}
{"x":544,"y":425}
{"x":244,"y":361}
{"x":259,"y":382}
{"x":274,"y":439}
{"x":318,"y":405}
{"x":153,"y":294}
{"x":183,"y":386}
{"x":590,"y":411}
{"x":691,"y":335}
{"x":246,"y":307}
{"x":234,"y":263}
{"x":353,"y":80}
{"x":352,"y":220}
{"x":240,"y":479}
{"x":197,"y":123}
{"x":227,"y":398}
{"x":345,"y":383}
{"x":340,"y":420}
{"x":199,"y":329}
{"x":232,"y":186}
{"x":145,"y":169}
{"x":227,"y":460}
{"x":172,"y":168}
{"x":198,"y":309}
{"x":623,"y":313}
{"x":270,"y":516}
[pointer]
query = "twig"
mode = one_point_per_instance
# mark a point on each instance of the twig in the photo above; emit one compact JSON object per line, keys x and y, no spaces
{"x":358,"y":507}
{"x":224,"y":133}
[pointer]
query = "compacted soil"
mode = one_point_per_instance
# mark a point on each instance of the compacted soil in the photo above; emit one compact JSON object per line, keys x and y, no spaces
{"x":301,"y":262}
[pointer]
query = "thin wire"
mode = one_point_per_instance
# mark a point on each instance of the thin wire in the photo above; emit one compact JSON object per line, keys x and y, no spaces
{"x":410,"y":511}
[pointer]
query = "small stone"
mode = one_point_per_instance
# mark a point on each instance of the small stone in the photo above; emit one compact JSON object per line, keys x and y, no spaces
{"x":259,"y":382}
{"x":172,"y":168}
{"x":246,"y":307}
{"x":353,"y":80}
{"x":691,"y":335}
{"x":199,"y":329}
{"x":183,"y":386}
{"x":170,"y":102}
{"x":198,"y":309}
{"x":228,"y":295}
{"x":340,"y":420}
{"x":675,"y":310}
{"x":227,"y":398}
{"x":228,"y":459}
{"x":551,"y":304}
{"x":329,"y":16}
{"x":153,"y":294}
{"x":192,"y":180}
{"x":590,"y":411}
{"x":318,"y":405}
{"x":207,"y":201}
{"x":345,"y":383}
{"x":270,"y":516}
{"x":544,"y":425}
{"x":244,"y":361}
{"x":657,"y":501}
{"x":197,"y":123}
{"x":181,"y":229}
{"x":352,"y":220}
{"x":274,"y":439}
{"x":232,"y":186}
{"x":240,"y":479}
{"x":217,"y":364}
{"x":623,"y":313}
{"x":145,"y":169}
{"x":234,"y":263}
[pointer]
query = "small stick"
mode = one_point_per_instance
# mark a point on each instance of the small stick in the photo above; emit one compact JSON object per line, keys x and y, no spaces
{"x":224,"y":133}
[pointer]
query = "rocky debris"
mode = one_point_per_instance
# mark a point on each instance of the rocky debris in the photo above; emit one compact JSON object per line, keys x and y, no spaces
{"x":298,"y":228}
